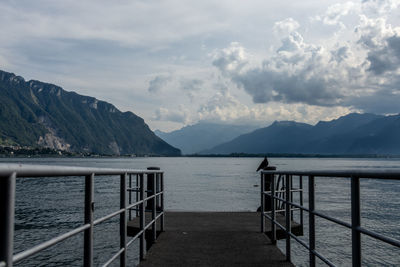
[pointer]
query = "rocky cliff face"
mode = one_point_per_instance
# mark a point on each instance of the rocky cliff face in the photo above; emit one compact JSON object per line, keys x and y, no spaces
{"x":34,"y":113}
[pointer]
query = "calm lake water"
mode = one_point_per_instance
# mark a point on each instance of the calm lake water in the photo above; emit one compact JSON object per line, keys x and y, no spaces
{"x":48,"y":207}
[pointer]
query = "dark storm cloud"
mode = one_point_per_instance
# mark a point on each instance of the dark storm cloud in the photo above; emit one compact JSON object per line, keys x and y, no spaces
{"x":265,"y":85}
{"x":386,"y":58}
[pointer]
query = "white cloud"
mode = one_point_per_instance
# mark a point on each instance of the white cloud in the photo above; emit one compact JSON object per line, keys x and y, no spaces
{"x":180,"y":115}
{"x":298,"y":73}
{"x":286,"y":26}
{"x":379,"y":7}
{"x":373,"y":32}
{"x":323,"y":74}
{"x":231,"y":59}
{"x":225,"y":108}
{"x":336,"y":12}
{"x":382,"y":44}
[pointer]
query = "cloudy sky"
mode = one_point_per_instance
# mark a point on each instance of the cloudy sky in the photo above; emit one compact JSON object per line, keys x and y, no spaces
{"x":175,"y":63}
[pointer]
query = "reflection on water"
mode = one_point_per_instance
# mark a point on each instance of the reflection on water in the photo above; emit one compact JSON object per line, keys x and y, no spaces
{"x":48,"y":207}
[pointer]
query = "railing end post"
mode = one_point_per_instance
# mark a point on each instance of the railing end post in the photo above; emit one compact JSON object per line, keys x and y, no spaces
{"x":142,"y":245}
{"x":7,"y":211}
{"x":311,"y":218}
{"x":89,"y":210}
{"x":262,"y":208}
{"x":355,"y":221}
{"x":287,"y":215}
{"x":123,"y":217}
{"x":273,"y":206}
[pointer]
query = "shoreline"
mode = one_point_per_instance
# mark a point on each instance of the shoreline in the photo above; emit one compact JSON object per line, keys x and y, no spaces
{"x":233,"y":155}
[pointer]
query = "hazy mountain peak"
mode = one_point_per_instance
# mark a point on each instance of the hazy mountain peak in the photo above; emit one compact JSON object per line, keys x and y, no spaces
{"x":288,"y":124}
{"x":203,"y":135}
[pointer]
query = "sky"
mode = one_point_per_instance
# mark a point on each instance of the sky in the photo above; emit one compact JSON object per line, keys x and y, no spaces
{"x":175,"y":63}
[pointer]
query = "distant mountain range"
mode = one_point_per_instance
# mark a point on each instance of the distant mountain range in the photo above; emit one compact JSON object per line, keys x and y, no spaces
{"x":37,"y":114}
{"x":194,"y":138}
{"x":350,"y":134}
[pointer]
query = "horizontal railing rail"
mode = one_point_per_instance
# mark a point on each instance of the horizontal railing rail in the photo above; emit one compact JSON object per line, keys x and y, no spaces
{"x":389,"y":174}
{"x":10,"y":172}
{"x":355,"y":225}
{"x":26,"y":170}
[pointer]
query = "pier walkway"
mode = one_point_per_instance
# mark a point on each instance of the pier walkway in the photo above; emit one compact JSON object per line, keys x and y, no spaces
{"x":199,"y":238}
{"x":213,"y":239}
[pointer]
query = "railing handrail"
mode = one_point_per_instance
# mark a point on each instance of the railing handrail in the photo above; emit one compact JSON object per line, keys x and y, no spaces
{"x":10,"y":172}
{"x":375,"y":174}
{"x":355,"y":224}
{"x":30,"y":170}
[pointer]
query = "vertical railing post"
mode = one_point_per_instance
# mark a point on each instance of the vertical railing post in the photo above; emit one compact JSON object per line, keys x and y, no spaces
{"x":142,"y":218}
{"x":151,"y":188}
{"x":137,"y":194}
{"x":89,"y":209}
{"x":154,"y":209}
{"x":130,"y":195}
{"x":287,"y":215}
{"x":122,"y":219}
{"x":301,"y":199}
{"x":162,"y":223}
{"x":311,"y":217}
{"x":291,"y":195}
{"x":355,"y":221}
{"x":7,"y":206}
{"x":262,"y":203}
{"x":273,"y":201}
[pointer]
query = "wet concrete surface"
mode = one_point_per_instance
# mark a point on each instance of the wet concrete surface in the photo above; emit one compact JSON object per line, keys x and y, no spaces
{"x":213,"y":239}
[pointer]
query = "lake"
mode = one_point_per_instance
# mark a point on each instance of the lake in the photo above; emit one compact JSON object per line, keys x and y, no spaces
{"x":48,"y":207}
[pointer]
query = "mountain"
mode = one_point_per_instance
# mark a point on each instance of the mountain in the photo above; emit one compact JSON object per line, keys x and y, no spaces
{"x":379,"y":136}
{"x":337,"y":136}
{"x":201,"y":136}
{"x":37,"y":114}
{"x":279,"y":137}
{"x":350,"y":134}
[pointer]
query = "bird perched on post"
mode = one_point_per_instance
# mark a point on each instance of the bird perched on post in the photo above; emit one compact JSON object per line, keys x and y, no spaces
{"x":263,"y":165}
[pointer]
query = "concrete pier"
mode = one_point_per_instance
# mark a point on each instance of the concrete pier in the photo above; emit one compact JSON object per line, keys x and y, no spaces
{"x":213,"y":239}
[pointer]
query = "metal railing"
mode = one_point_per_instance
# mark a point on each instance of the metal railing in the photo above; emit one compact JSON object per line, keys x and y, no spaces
{"x":355,"y":225}
{"x":10,"y":172}
{"x":278,"y":189}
